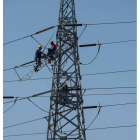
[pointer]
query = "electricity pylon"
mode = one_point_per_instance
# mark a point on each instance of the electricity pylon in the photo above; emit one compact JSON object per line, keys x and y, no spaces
{"x":66,"y":116}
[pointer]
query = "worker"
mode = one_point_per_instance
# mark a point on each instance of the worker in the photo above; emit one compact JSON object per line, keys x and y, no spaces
{"x":51,"y":50}
{"x":38,"y":57}
{"x":64,"y":87}
{"x":65,"y":90}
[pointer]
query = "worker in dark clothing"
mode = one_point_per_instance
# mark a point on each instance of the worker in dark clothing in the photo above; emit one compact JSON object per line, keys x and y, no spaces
{"x":64,"y":87}
{"x":51,"y":50}
{"x":66,"y":91}
{"x":38,"y":57}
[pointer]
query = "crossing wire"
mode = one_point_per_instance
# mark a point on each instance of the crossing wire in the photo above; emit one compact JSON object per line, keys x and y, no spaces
{"x":11,"y":106}
{"x":81,"y":75}
{"x":81,"y":89}
{"x":92,"y":95}
{"x":98,"y":49}
{"x":55,"y":26}
{"x":87,"y":127}
{"x":67,"y":131}
{"x":37,"y":105}
{"x":112,"y":23}
{"x":25,"y":122}
{"x":30,"y":35}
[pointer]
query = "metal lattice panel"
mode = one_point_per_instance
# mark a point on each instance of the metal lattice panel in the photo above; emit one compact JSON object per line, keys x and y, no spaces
{"x":66,"y":119}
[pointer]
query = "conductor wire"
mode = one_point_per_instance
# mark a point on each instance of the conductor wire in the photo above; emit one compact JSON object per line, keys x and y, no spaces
{"x":11,"y":106}
{"x":94,"y":57}
{"x":37,"y":106}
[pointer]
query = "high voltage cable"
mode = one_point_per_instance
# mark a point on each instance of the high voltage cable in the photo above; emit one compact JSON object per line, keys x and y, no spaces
{"x":112,"y":23}
{"x":74,"y":89}
{"x":67,"y":131}
{"x":119,"y":104}
{"x":108,"y":72}
{"x":37,"y":106}
{"x":107,"y":88}
{"x":92,"y":94}
{"x":123,"y":41}
{"x":81,"y":75}
{"x":87,"y":127}
{"x":24,"y":122}
{"x":95,"y":45}
{"x":107,"y":94}
{"x":30,"y":35}
{"x":66,"y":25}
{"x":112,"y":127}
{"x":119,"y":42}
{"x":11,"y":106}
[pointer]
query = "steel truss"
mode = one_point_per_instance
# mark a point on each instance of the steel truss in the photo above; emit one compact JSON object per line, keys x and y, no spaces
{"x":66,"y":116}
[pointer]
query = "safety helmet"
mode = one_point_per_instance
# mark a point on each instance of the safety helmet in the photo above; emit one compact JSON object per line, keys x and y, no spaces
{"x":51,"y":42}
{"x":40,"y":47}
{"x":64,"y":85}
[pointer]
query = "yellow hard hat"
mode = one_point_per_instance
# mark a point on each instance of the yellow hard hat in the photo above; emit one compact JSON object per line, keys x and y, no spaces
{"x":64,"y":85}
{"x":40,"y":46}
{"x":51,"y":42}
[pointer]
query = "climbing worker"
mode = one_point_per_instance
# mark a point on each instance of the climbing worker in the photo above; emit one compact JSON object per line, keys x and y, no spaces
{"x":64,"y":87}
{"x":38,"y":57}
{"x":65,"y":92}
{"x":51,"y":50}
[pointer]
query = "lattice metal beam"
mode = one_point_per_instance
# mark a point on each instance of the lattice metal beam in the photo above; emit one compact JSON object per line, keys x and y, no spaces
{"x":66,"y":118}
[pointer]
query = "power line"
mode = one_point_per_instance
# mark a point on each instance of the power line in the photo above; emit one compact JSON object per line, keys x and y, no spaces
{"x":89,"y":45}
{"x":112,"y":23}
{"x":68,"y":131}
{"x":93,"y":58}
{"x":25,"y":122}
{"x":72,"y":89}
{"x":109,"y":72}
{"x":94,"y":118}
{"x":68,"y":25}
{"x":81,"y":75}
{"x":113,"y":127}
{"x":124,"y":22}
{"x":37,"y":106}
{"x":30,"y":35}
{"x":107,"y":88}
{"x":24,"y":134}
{"x":107,"y":94}
{"x":94,"y":94}
{"x":87,"y":127}
{"x":119,"y":104}
{"x":11,"y":106}
{"x":119,"y":42}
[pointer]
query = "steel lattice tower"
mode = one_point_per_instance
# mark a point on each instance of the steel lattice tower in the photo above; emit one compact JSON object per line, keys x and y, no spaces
{"x":66,"y":116}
